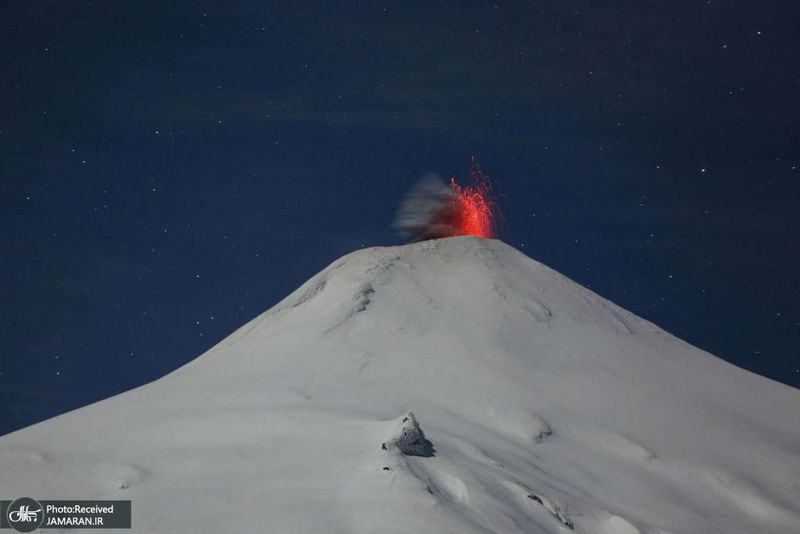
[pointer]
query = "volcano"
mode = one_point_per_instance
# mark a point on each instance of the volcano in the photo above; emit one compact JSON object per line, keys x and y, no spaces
{"x":446,"y":386}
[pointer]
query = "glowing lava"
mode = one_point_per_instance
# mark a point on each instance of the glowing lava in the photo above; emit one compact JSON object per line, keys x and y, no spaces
{"x":433,"y":210}
{"x":473,"y":210}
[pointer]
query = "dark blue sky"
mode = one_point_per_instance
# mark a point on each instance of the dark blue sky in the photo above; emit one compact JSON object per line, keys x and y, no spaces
{"x":168,"y":170}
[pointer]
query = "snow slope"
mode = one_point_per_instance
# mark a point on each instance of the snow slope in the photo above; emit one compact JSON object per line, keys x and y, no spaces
{"x":536,"y":406}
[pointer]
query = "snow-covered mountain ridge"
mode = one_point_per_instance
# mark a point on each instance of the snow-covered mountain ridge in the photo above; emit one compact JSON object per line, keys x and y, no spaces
{"x":453,"y":385}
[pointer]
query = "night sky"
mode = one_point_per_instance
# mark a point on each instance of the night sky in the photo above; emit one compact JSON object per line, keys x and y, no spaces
{"x":169,"y":170}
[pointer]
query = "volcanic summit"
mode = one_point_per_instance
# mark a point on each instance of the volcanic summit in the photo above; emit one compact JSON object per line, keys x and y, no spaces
{"x":451,"y":385}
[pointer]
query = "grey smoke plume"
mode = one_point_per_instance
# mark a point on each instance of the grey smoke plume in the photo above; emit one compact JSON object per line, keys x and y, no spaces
{"x":427,"y":211}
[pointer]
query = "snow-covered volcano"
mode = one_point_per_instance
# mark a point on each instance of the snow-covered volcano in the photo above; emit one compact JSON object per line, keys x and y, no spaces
{"x":453,"y":386}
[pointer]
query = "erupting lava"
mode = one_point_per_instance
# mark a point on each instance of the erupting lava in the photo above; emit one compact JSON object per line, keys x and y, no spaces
{"x":474,"y":211}
{"x":432,"y":210}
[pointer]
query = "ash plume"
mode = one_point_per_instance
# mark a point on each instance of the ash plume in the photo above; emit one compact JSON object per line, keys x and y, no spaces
{"x":427,"y":211}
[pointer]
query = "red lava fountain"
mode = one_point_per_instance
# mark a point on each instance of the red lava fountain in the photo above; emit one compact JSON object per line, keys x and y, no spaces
{"x":473,"y":210}
{"x":433,"y":209}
